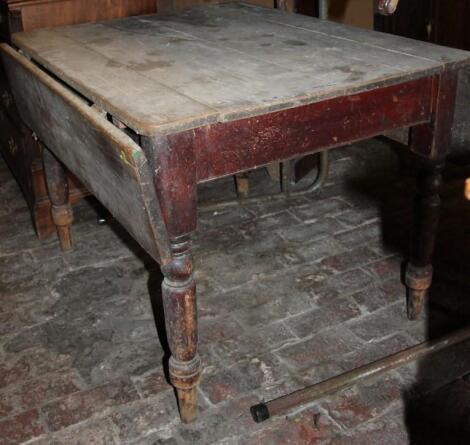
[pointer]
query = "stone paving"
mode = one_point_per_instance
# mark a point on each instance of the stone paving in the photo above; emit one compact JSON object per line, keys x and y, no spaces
{"x":289,"y":293}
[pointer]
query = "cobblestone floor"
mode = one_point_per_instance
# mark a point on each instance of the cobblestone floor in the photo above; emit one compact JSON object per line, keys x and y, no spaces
{"x":290,"y":293}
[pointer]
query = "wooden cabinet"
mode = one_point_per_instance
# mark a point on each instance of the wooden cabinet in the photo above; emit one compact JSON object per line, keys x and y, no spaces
{"x":352,"y":12}
{"x":17,"y":143}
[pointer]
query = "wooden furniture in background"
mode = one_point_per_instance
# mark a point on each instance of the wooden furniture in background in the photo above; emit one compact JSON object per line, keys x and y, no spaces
{"x":444,"y":22}
{"x":352,"y":12}
{"x":33,"y":14}
{"x":17,"y":144}
{"x":215,"y":91}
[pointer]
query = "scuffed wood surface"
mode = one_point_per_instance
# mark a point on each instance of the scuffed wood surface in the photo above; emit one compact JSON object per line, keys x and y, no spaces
{"x":224,"y":62}
{"x":245,"y":144}
{"x":106,"y":160}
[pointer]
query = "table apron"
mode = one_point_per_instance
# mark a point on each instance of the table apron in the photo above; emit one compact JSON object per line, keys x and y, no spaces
{"x":226,"y":148}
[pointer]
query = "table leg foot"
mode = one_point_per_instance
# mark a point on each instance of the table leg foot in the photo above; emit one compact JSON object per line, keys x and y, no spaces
{"x":63,"y":219}
{"x":185,"y":377}
{"x":425,"y":223}
{"x":418,"y":281}
{"x":187,"y":404}
{"x":179,"y":301}
{"x":415,"y":302}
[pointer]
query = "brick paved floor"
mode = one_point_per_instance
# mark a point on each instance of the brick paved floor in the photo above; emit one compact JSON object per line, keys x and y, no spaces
{"x":290,"y":293}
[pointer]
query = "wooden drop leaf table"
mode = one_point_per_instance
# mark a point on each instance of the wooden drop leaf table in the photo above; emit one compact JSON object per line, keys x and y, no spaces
{"x":143,"y":109}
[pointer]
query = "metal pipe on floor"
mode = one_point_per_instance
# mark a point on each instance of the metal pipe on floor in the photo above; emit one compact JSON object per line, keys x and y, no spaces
{"x":264,"y":411}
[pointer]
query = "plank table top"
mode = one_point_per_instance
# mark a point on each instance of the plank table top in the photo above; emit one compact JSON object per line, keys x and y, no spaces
{"x":160,"y":74}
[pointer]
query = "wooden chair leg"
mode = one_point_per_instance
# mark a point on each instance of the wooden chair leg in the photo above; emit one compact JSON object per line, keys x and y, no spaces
{"x":58,"y":190}
{"x":425,"y":223}
{"x":242,"y":182}
{"x":179,"y":301}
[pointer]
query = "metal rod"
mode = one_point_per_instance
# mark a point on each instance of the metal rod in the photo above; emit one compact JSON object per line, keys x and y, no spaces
{"x":264,"y":411}
{"x":323,"y":9}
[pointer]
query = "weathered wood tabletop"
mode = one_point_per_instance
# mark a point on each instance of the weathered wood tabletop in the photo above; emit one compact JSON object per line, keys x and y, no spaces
{"x":222,"y":62}
{"x":214,"y":91}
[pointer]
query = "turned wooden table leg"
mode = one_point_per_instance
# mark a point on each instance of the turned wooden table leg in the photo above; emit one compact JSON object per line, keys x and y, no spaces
{"x":425,"y":223}
{"x":179,"y":300}
{"x":430,"y":142}
{"x":58,"y":190}
{"x":175,"y":186}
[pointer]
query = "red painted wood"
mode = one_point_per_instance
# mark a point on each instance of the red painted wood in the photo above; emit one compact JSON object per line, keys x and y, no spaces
{"x":226,"y":148}
{"x":433,"y":139}
{"x":175,"y":181}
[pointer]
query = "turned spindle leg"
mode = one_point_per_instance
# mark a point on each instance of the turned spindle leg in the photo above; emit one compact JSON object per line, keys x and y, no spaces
{"x":179,"y":300}
{"x":430,"y":142}
{"x":425,"y":223}
{"x":58,"y":190}
{"x":175,"y":186}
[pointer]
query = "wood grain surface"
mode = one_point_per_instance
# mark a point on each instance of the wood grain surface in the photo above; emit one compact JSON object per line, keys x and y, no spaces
{"x":105,"y":159}
{"x":216,"y":63}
